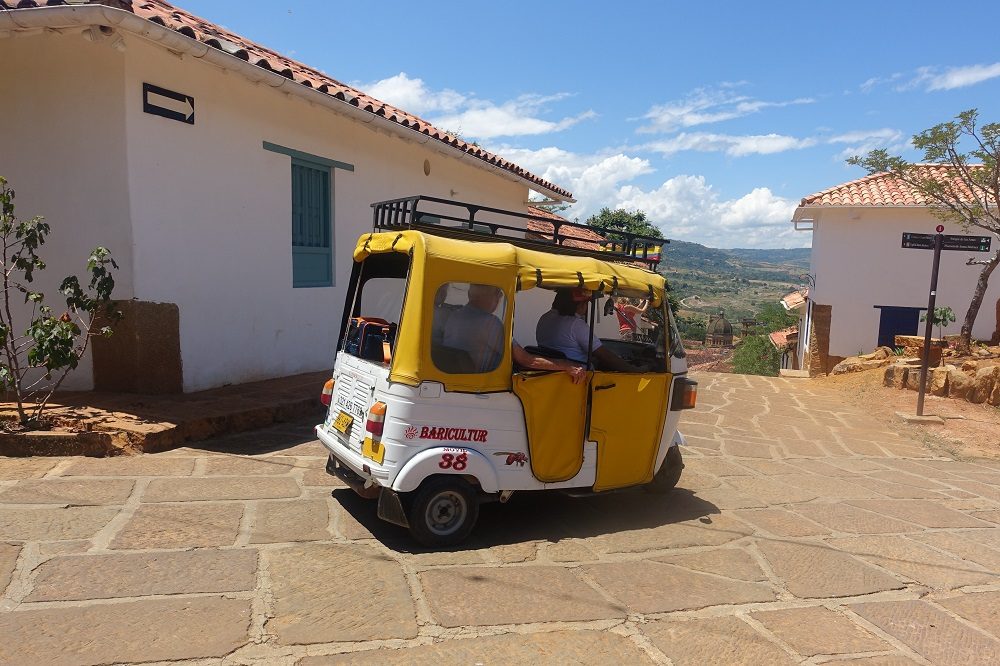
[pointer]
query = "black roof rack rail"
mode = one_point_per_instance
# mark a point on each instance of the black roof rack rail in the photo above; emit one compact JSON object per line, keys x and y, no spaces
{"x":406,"y":213}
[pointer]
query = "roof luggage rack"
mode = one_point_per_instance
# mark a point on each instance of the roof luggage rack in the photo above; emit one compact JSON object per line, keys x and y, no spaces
{"x":457,"y":219}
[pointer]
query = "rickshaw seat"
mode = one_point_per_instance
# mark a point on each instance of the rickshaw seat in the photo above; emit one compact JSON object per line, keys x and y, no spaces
{"x":452,"y":360}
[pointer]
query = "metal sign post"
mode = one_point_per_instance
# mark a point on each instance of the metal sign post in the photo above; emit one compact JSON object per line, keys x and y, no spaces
{"x":925,"y":362}
{"x":938,"y":242}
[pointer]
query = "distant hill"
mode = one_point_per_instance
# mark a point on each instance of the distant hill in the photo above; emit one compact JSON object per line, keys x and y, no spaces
{"x":739,"y":281}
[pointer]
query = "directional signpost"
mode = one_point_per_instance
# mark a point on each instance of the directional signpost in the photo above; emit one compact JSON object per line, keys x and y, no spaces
{"x":938,"y":242}
{"x":167,"y":103}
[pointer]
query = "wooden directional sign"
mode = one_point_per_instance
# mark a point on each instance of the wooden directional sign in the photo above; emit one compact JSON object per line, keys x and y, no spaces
{"x":167,"y":103}
{"x":948,"y":242}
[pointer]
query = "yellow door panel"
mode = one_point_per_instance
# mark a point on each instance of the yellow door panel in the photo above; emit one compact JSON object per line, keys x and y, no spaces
{"x":626,"y":420}
{"x":555,"y":413}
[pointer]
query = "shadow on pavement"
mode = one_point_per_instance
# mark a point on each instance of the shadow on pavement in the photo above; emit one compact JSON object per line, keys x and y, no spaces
{"x":545,"y":516}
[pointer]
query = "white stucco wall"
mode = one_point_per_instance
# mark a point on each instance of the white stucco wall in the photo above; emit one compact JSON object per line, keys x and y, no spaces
{"x":63,"y":150}
{"x":204,"y":209}
{"x":858,"y":263}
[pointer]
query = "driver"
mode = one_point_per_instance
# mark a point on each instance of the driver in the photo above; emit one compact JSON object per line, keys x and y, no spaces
{"x":564,"y":329}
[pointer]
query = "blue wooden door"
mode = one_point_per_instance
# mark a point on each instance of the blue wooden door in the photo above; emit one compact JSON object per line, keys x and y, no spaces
{"x":896,"y":321}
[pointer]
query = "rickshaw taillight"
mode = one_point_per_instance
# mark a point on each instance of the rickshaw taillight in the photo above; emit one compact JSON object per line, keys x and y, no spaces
{"x":327,"y":396}
{"x":685,"y":394}
{"x":376,"y":419}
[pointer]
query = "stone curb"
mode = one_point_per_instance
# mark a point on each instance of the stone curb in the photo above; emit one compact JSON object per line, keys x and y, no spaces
{"x":113,"y":442}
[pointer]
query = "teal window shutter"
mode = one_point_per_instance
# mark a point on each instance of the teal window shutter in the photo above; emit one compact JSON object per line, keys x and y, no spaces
{"x":312,"y":225}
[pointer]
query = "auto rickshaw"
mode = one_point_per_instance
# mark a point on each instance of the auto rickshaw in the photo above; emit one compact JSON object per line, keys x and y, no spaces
{"x":431,"y":425}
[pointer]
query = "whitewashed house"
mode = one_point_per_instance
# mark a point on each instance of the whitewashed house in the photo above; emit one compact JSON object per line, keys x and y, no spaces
{"x":230,"y":182}
{"x":867,"y":287}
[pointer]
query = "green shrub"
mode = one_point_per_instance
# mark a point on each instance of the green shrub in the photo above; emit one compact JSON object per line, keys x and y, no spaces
{"x":755,"y":355}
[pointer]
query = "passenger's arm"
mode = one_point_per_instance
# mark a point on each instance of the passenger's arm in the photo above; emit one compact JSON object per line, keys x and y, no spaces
{"x":608,"y":360}
{"x":526,"y":360}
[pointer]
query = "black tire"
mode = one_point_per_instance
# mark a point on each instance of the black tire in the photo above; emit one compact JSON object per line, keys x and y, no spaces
{"x":442,"y":512}
{"x":670,"y":473}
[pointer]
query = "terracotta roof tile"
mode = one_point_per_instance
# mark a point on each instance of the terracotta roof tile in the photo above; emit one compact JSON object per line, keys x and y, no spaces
{"x":185,"y":23}
{"x":795,"y":299}
{"x":574,"y":236}
{"x":784,"y":337}
{"x":880,"y":189}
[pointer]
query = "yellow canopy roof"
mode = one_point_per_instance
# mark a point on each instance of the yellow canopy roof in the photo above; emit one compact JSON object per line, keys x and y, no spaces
{"x":533,"y":267}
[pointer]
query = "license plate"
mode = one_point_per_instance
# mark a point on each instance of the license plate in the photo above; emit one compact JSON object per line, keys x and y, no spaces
{"x":374,"y":451}
{"x":343,"y":422}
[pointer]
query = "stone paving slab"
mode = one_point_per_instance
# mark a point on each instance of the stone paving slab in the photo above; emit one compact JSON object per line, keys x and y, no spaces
{"x":144,"y":574}
{"x":328,"y":593}
{"x":982,"y":609}
{"x":653,"y":587}
{"x":68,"y":491}
{"x":25,"y":468}
{"x":723,"y":640}
{"x":181,"y":527}
{"x":225,"y":488}
{"x":296,"y":520}
{"x":51,"y":523}
{"x":8,"y":559}
{"x":131,"y":466}
{"x":556,"y":648}
{"x":816,"y":630}
{"x":134,"y":631}
{"x":815,"y":569}
{"x":916,"y":561}
{"x":488,"y":596}
{"x":932,"y":633}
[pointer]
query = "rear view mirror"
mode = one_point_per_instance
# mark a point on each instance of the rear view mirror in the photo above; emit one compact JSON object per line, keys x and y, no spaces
{"x":609,"y":306}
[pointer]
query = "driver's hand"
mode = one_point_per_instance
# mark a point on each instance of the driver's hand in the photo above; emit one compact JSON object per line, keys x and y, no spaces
{"x":576,"y":373}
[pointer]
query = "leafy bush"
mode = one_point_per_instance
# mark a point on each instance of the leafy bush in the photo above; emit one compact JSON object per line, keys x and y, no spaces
{"x":35,"y":359}
{"x":755,"y":355}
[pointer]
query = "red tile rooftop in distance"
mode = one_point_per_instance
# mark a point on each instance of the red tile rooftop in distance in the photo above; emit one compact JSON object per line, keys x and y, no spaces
{"x":881,"y":189}
{"x":185,"y":23}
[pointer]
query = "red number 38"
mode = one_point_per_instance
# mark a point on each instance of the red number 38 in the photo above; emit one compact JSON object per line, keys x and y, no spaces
{"x":451,"y":461}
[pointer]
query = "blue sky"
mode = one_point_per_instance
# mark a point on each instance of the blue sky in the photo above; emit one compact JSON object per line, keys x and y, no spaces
{"x":714,"y":118}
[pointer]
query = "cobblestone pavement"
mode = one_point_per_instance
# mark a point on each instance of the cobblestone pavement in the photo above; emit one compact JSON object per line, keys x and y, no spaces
{"x":804,"y":531}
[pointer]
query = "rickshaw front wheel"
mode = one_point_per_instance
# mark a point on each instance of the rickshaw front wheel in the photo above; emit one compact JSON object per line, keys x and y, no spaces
{"x":443,"y":512}
{"x":669,"y":473}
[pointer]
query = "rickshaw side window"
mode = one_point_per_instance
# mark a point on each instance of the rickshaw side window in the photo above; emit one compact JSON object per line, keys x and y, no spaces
{"x":467,"y":334}
{"x":371,"y":328}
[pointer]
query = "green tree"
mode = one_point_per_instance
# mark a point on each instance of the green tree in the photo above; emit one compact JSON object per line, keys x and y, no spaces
{"x":775,"y":317}
{"x":964,"y":188}
{"x":34,"y":363}
{"x":942,"y":316}
{"x":623,"y":220}
{"x":755,"y":355}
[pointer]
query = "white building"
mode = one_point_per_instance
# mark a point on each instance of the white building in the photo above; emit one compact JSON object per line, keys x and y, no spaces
{"x":868,"y":288}
{"x":230,"y":183}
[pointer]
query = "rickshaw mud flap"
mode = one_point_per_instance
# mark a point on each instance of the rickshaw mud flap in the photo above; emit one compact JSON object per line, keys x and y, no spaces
{"x":353,"y":481}
{"x":390,"y":508}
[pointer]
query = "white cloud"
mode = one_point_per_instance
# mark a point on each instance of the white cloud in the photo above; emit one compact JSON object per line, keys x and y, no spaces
{"x":468,"y":115}
{"x":861,"y":142}
{"x":935,"y":78}
{"x":707,"y":105}
{"x":684,"y":207}
{"x":516,"y":117}
{"x":412,"y":95}
{"x":961,"y":77}
{"x":732,"y":145}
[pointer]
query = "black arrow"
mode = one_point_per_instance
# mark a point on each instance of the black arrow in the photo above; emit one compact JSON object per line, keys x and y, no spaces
{"x":167,"y":103}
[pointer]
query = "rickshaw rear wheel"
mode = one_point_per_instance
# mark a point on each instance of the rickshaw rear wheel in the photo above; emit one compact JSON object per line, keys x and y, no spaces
{"x":442,"y":512}
{"x":669,"y":474}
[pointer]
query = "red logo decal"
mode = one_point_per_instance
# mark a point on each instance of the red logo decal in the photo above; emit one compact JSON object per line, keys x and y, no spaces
{"x":454,"y":434}
{"x":410,"y":432}
{"x":513,"y":457}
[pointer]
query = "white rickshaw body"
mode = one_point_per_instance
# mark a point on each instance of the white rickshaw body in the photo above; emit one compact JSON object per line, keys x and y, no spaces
{"x":431,"y":425}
